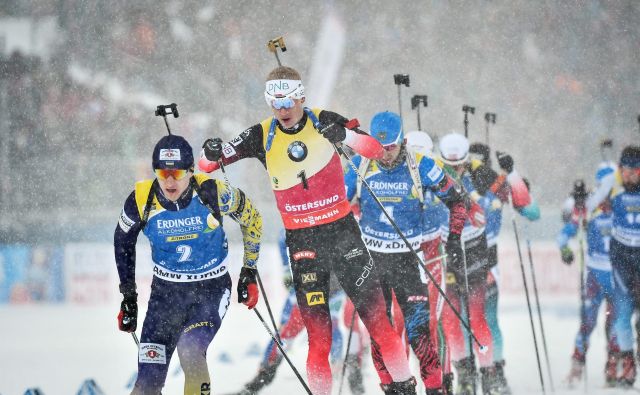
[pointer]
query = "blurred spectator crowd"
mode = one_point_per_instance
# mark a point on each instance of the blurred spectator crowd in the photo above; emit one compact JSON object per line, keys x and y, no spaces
{"x":77,"y":127}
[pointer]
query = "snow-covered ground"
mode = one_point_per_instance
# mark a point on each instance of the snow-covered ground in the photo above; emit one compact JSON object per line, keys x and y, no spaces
{"x":56,"y":347}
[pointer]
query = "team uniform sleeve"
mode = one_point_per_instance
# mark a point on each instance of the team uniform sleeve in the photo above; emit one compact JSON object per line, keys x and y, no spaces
{"x":447,"y":190}
{"x":124,"y":243}
{"x":358,"y":140}
{"x":569,"y":230}
{"x":248,"y":144}
{"x":234,"y":203}
{"x":601,"y":193}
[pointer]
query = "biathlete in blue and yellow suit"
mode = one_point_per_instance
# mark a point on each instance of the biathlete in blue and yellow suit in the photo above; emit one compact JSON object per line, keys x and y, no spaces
{"x":496,"y":191}
{"x":599,"y":283}
{"x":181,"y":214}
{"x":623,"y":189}
{"x":400,"y":180}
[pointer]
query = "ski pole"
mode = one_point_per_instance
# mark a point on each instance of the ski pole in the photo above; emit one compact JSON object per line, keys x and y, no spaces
{"x":284,"y":354}
{"x":466,"y":305}
{"x":416,"y":100}
{"x":339,"y":149}
{"x":344,"y":365}
{"x":467,"y":109}
{"x":266,"y":299}
{"x":400,"y":79}
{"x":135,"y":339}
{"x":273,"y":46}
{"x":489,"y":117}
{"x":526,"y":292}
{"x":535,"y":293}
{"x":583,"y":307}
{"x":266,"y":302}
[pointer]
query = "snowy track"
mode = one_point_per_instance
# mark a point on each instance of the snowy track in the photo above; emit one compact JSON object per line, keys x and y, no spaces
{"x":57,"y":347}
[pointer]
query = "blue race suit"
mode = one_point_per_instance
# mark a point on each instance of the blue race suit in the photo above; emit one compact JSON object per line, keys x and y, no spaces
{"x":599,"y":284}
{"x":625,"y":255}
{"x":191,"y":286}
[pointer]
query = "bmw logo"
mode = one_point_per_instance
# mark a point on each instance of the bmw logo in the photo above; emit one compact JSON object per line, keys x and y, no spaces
{"x":297,"y":151}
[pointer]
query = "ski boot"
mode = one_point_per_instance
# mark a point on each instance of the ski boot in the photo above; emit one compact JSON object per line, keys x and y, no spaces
{"x":355,"y":375}
{"x":490,"y":381}
{"x":447,"y":383}
{"x":628,"y":375}
{"x":265,"y":377}
{"x":407,"y":387}
{"x":502,"y":379}
{"x":577,"y":369}
{"x":467,"y":376}
{"x":611,"y":370}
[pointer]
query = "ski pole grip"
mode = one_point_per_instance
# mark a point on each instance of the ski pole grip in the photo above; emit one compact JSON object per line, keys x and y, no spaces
{"x":352,"y":124}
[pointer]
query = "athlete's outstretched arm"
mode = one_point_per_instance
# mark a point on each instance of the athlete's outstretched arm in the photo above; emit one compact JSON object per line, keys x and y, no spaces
{"x":358,"y":140}
{"x":447,"y":190}
{"x":246,"y":145}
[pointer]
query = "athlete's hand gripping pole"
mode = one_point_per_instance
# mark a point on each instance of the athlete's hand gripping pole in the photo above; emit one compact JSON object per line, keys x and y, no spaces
{"x":352,"y":124}
{"x":284,"y":354}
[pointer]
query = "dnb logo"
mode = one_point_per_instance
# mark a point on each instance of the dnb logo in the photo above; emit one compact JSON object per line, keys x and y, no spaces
{"x":315,"y":298}
{"x":297,"y":151}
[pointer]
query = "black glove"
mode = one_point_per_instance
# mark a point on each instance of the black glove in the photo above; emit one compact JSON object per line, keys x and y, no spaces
{"x":567,"y":255}
{"x":453,"y":248}
{"x":247,"y":287}
{"x":128,"y":316}
{"x":213,"y":149}
{"x":287,"y":279}
{"x":334,"y":133}
{"x":579,"y":193}
{"x":505,"y":161}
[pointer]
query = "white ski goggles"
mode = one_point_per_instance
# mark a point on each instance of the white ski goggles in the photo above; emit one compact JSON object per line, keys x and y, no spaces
{"x":282,"y":93}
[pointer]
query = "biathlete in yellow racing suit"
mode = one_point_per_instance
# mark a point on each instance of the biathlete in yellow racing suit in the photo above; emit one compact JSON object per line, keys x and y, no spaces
{"x":296,"y":146}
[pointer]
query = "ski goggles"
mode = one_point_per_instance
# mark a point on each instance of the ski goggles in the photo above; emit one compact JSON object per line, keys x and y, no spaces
{"x":628,"y":170}
{"x":390,"y":147}
{"x":285,"y":102}
{"x":282,"y":93}
{"x":164,"y":174}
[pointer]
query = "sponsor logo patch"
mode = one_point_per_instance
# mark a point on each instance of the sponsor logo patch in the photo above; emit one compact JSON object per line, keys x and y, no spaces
{"x":152,"y":353}
{"x":353,"y":253}
{"x":309,"y":278}
{"x":182,"y":238}
{"x":304,"y":255}
{"x":297,"y":151}
{"x":228,"y":150}
{"x":125,"y":222}
{"x":198,"y":325}
{"x":417,"y":298}
{"x":236,"y":141}
{"x":434,"y":173}
{"x":170,"y":154}
{"x":315,"y":298}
